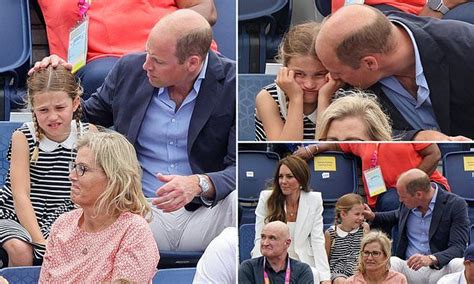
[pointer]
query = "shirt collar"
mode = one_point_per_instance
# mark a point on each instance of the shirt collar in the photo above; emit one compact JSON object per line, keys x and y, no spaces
{"x":49,"y":145}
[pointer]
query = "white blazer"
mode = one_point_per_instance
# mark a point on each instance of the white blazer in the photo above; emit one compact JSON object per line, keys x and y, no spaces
{"x":308,"y":237}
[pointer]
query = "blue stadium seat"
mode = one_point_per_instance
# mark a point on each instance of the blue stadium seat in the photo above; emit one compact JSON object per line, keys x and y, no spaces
{"x":256,"y":168}
{"x":458,"y":168}
{"x":249,"y":86}
{"x":22,"y":274}
{"x":175,"y":276}
{"x":6,"y":130}
{"x":446,"y":148}
{"x":262,"y":24}
{"x":246,"y":239}
{"x":224,"y":29}
{"x":340,"y":178}
{"x":15,"y":50}
{"x":175,"y":259}
{"x":337,"y":177}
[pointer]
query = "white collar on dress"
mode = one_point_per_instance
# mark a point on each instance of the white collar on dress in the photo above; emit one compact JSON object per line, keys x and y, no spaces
{"x":48,"y":145}
{"x":341,"y":233}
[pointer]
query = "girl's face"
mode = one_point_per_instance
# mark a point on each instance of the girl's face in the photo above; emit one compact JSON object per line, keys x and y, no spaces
{"x":54,"y":111}
{"x":310,"y":75}
{"x":354,"y":217}
{"x":347,"y":129}
{"x":287,"y":181}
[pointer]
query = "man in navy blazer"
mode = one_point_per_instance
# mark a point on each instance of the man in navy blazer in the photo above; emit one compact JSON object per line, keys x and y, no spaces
{"x":176,"y":104}
{"x":417,"y":66}
{"x":432,"y":229}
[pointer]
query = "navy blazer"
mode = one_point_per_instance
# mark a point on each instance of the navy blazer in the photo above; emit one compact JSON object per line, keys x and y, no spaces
{"x":124,"y":97}
{"x":446,"y":50}
{"x":448,"y":234}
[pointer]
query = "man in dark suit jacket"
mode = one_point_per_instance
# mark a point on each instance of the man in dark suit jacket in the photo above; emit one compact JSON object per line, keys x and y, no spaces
{"x":176,"y":105}
{"x":432,"y":229}
{"x":417,"y":66}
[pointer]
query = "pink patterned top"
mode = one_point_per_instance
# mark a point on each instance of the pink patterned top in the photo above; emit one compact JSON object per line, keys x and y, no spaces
{"x":393,"y":277}
{"x":124,"y":250}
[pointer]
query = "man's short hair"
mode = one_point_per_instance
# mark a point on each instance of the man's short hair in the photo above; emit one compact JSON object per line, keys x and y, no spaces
{"x":195,"y":42}
{"x":374,"y":37}
{"x":421,"y":183}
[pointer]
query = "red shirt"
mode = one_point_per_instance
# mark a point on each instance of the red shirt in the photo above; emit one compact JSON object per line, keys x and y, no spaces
{"x":393,"y":159}
{"x":116,"y":27}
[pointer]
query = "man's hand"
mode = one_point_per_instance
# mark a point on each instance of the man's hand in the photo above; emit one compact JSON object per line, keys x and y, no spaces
{"x":432,"y":135}
{"x":368,"y":214}
{"x":52,"y":60}
{"x":418,"y":261}
{"x":177,"y":192}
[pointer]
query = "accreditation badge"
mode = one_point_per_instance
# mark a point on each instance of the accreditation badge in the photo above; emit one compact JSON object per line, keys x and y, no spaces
{"x":374,"y":180}
{"x":77,"y":51}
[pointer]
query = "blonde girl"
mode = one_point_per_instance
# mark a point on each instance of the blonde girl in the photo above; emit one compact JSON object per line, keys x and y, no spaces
{"x":37,"y":188}
{"x":343,"y":239}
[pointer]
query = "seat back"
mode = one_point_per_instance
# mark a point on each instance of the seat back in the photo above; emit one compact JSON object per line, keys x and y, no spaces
{"x":249,"y":86}
{"x":458,"y":168}
{"x":446,"y":148}
{"x":246,"y":239}
{"x":15,"y":32}
{"x":177,"y":259}
{"x":175,"y":275}
{"x":21,"y":274}
{"x":256,"y":169}
{"x":333,"y":174}
{"x":224,"y":30}
{"x":323,"y":6}
{"x":261,"y":26}
{"x":6,"y":130}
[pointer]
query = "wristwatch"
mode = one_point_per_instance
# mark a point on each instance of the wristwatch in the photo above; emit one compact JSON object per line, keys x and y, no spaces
{"x":203,"y":184}
{"x":438,"y":5}
{"x":434,"y":260}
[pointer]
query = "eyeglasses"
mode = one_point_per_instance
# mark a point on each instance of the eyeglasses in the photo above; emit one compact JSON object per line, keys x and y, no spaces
{"x":79,"y":168}
{"x":374,"y":254}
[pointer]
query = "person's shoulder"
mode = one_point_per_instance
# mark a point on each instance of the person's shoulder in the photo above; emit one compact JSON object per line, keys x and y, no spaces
{"x":252,"y":262}
{"x":313,"y":195}
{"x":299,"y":265}
{"x":132,"y":59}
{"x":132,"y":220}
{"x":68,"y":218}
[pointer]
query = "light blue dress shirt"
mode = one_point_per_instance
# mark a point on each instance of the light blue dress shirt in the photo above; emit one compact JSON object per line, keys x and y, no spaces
{"x":417,"y":111}
{"x":418,"y":228}
{"x":163,"y":136}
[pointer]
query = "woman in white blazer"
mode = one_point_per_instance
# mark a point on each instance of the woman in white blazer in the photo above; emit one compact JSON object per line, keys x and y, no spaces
{"x":290,"y":200}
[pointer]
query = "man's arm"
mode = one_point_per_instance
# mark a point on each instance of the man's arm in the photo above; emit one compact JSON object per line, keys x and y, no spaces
{"x":204,"y":7}
{"x":451,"y":4}
{"x":246,"y":273}
{"x":430,"y":158}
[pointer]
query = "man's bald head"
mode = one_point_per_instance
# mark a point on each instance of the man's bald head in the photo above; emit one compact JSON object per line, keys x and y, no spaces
{"x":356,"y":31}
{"x":189,"y":30}
{"x":414,"y":180}
{"x":279,"y":228}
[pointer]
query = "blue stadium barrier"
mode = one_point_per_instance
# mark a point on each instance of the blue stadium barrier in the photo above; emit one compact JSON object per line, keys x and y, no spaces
{"x":6,"y":130}
{"x":224,"y":29}
{"x":446,"y":148}
{"x":22,"y":274}
{"x":249,"y":86}
{"x":262,"y":24}
{"x":15,"y":50}
{"x":175,"y":276}
{"x":246,"y":239}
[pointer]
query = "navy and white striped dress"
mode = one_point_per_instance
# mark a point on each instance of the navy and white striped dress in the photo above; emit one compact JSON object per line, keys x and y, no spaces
{"x":344,"y":253}
{"x":309,"y":127}
{"x":49,"y":186}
